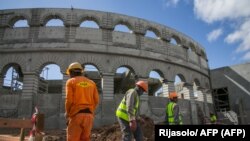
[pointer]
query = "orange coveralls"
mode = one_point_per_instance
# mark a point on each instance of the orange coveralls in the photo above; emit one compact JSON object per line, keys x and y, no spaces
{"x":81,"y":93}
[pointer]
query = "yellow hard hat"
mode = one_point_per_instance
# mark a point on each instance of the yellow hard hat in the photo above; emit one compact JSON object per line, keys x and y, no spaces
{"x":74,"y":65}
{"x":143,"y":85}
{"x":173,"y":95}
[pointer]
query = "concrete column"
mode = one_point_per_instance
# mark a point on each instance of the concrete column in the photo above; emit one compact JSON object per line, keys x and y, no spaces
{"x":209,"y":98}
{"x":194,"y":115}
{"x":139,"y":40}
{"x":107,"y":104}
{"x":167,"y":88}
{"x":200,"y":96}
{"x":70,"y":33}
{"x":71,"y":24}
{"x":199,"y":60}
{"x":29,"y":94}
{"x":62,"y":102}
{"x":144,"y":107}
{"x":2,"y":30}
{"x":206,"y":109}
{"x":108,"y":86}
{"x":1,"y":80}
{"x":107,"y":35}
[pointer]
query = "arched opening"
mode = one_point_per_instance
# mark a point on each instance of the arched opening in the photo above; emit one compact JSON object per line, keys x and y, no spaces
{"x":124,"y":79}
{"x":54,"y":22}
{"x":13,"y":80}
{"x":122,"y":28}
{"x":192,"y":46}
{"x":92,"y":72}
{"x":154,"y":83}
{"x":21,"y":23}
{"x":50,"y":80}
{"x":173,"y":41}
{"x":196,"y":88}
{"x":151,"y":34}
{"x":89,"y":24}
{"x":203,"y":55}
{"x":178,"y":84}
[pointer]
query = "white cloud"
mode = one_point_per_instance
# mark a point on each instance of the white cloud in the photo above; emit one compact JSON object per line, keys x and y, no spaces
{"x":235,"y":12}
{"x":246,"y":56}
{"x":213,"y":35}
{"x":170,"y":2}
{"x":242,"y":34}
{"x":217,"y":10}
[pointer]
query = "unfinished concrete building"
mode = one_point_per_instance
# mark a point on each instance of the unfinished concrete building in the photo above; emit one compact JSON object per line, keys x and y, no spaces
{"x":114,"y":59}
{"x":231,"y":90}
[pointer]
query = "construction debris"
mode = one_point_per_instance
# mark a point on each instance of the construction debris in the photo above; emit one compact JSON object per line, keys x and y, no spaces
{"x":104,"y":133}
{"x":113,"y":132}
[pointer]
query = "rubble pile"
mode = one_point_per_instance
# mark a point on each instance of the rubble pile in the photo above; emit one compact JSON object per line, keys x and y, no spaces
{"x":113,"y":132}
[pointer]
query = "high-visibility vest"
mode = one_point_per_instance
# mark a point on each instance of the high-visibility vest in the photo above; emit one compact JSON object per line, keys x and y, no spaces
{"x":213,"y":118}
{"x":121,"y":111}
{"x":170,"y":113}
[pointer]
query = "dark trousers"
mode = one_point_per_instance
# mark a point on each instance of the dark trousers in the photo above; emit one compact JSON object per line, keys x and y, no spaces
{"x":127,"y":134}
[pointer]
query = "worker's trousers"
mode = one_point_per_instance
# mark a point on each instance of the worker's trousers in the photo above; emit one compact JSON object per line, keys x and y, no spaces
{"x":79,"y":127}
{"x":127,"y":134}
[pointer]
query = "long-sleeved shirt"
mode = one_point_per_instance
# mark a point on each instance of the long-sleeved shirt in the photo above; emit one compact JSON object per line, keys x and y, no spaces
{"x":81,"y":93}
{"x":176,"y":114}
{"x":131,"y":99}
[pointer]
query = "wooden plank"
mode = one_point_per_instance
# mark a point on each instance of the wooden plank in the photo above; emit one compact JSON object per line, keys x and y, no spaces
{"x":15,"y":123}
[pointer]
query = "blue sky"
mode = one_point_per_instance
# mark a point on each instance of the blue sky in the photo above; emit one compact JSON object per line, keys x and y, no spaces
{"x":222,"y":27}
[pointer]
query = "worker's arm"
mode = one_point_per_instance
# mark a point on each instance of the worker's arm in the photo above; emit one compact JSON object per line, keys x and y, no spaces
{"x":176,"y":114}
{"x":69,"y":97}
{"x":130,"y":102}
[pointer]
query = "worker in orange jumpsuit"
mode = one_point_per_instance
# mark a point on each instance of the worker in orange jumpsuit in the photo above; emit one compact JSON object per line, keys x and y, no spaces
{"x":81,"y":101}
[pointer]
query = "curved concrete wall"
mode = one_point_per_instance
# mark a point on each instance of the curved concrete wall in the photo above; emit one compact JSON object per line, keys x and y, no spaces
{"x":37,"y":45}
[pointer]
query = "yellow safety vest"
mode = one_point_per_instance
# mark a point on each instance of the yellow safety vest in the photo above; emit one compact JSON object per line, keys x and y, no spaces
{"x":213,"y":118}
{"x":121,"y":111}
{"x":170,"y":113}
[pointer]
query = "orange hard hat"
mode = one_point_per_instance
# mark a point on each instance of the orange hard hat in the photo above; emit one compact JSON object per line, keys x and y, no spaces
{"x":143,"y":85}
{"x":173,"y":95}
{"x":74,"y":65}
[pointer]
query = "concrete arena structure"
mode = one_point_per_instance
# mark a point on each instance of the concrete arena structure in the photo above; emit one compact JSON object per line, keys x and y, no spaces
{"x":29,"y":49}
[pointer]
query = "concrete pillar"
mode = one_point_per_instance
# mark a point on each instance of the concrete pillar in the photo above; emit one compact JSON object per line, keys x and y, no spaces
{"x":108,"y":86}
{"x":199,"y":95}
{"x":70,"y":33}
{"x":29,"y":94}
{"x":139,"y":40}
{"x":71,"y":24}
{"x":107,"y":35}
{"x":1,"y":80}
{"x":2,"y":30}
{"x":108,"y":106}
{"x":144,"y":107}
{"x":194,"y":115}
{"x":206,"y":109}
{"x":62,"y":102}
{"x":209,"y":98}
{"x":199,"y":60}
{"x":167,"y":88}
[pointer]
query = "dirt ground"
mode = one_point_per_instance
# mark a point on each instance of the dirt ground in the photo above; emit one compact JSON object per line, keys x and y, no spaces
{"x":113,"y":133}
{"x":105,"y":133}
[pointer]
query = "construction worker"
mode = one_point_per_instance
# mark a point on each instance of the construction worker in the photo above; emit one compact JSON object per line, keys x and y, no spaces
{"x":81,"y":101}
{"x":128,"y":115}
{"x":173,"y":116}
{"x":213,"y":118}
